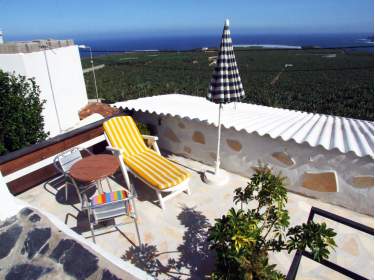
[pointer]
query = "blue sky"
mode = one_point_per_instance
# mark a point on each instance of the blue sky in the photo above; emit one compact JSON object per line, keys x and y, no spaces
{"x":137,"y":17}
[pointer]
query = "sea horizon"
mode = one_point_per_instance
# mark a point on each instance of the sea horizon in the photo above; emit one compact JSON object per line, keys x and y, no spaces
{"x":190,"y":42}
{"x":182,"y":42}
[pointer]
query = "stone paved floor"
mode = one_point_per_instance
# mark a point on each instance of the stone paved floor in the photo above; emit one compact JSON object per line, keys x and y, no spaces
{"x":33,"y":248}
{"x":174,"y":239}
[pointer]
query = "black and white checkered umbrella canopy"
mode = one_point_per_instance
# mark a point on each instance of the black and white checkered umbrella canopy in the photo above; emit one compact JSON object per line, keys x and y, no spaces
{"x":226,"y":85}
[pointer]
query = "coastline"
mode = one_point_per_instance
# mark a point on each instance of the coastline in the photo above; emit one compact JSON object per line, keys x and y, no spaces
{"x":271,"y":46}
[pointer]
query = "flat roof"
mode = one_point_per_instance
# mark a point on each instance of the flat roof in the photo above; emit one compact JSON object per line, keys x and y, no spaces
{"x":331,"y":132}
{"x":33,"y":46}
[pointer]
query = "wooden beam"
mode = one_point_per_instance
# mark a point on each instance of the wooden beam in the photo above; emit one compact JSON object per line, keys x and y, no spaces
{"x":32,"y":179}
{"x":41,"y":175}
{"x":43,"y":153}
{"x":25,"y":157}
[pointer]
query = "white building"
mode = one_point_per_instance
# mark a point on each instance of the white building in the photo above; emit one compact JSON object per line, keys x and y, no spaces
{"x":56,"y":67}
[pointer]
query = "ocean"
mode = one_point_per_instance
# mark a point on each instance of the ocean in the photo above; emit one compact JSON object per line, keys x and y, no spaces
{"x":181,"y":43}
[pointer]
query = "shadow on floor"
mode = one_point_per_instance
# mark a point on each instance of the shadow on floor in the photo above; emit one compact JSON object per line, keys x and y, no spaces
{"x":170,"y":156}
{"x":194,"y":260}
{"x":57,"y":186}
{"x":144,"y":192}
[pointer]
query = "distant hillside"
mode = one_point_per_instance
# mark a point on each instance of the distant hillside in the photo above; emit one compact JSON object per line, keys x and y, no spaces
{"x":321,"y":81}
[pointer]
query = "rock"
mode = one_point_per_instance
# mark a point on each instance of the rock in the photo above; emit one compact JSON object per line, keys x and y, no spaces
{"x":44,"y":249}
{"x":198,"y":137}
{"x":363,"y":181}
{"x":34,"y":218}
{"x":235,"y":145}
{"x":169,"y":134}
{"x":181,"y":125}
{"x":35,"y":240}
{"x":76,"y":260}
{"x":107,"y":275}
{"x":59,"y":250}
{"x":8,"y":222}
{"x":26,"y":212}
{"x":27,"y":271}
{"x":8,"y":239}
{"x":284,"y":158}
{"x":259,"y":168}
{"x":321,"y":181}
{"x":187,"y":149}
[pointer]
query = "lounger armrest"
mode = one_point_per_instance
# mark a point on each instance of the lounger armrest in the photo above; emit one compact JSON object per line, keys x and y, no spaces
{"x":152,"y":142}
{"x":116,"y":151}
{"x":150,"y":137}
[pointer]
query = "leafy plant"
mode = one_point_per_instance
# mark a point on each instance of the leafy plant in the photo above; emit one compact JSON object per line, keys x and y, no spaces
{"x":243,"y":237}
{"x":21,"y":120}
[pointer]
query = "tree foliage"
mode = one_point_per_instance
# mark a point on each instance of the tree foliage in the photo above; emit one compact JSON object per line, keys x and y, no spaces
{"x":21,"y":120}
{"x":243,"y":237}
{"x":330,"y":82}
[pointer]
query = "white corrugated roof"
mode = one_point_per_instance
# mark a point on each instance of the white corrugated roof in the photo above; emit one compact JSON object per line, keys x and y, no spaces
{"x":331,"y":132}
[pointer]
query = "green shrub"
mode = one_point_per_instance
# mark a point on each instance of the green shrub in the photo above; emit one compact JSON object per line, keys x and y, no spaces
{"x":143,"y":128}
{"x":243,"y":237}
{"x":21,"y":122}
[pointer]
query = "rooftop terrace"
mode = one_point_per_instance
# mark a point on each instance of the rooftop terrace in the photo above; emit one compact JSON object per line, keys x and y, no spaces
{"x":175,"y":239}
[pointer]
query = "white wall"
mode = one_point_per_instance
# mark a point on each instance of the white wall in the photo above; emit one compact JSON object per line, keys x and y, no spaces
{"x":260,"y":148}
{"x":67,"y":82}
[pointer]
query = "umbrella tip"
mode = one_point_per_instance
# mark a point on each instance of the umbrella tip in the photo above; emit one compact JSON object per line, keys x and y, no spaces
{"x":227,"y":22}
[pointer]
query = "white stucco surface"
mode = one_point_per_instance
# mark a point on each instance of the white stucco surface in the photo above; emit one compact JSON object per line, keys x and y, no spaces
{"x":10,"y":206}
{"x":330,"y":132}
{"x":67,"y":82}
{"x":321,"y":155}
{"x":256,"y":148}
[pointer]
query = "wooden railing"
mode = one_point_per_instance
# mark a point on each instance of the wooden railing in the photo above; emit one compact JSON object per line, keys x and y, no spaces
{"x":30,"y":166}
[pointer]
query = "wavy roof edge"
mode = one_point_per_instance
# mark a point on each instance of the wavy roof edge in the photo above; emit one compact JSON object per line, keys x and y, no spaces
{"x":330,"y":132}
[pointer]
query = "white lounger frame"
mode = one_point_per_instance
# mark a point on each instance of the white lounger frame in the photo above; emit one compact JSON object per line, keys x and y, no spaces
{"x":182,"y":187}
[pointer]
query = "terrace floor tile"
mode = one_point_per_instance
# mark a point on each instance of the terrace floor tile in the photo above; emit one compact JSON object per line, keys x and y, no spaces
{"x":175,"y":239}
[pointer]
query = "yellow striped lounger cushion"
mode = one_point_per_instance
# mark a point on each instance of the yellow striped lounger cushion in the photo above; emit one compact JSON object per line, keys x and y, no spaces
{"x":158,"y":171}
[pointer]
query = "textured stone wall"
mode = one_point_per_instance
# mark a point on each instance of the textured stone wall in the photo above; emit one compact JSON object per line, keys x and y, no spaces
{"x":32,"y":248}
{"x":341,"y":179}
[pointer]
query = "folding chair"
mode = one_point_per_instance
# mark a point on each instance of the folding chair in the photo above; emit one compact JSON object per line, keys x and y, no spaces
{"x":110,"y":205}
{"x":64,"y":162}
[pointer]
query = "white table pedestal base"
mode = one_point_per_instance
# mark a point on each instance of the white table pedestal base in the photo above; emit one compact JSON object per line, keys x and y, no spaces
{"x":217,"y":179}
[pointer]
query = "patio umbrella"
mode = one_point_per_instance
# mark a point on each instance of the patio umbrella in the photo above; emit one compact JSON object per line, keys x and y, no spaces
{"x":225,"y":87}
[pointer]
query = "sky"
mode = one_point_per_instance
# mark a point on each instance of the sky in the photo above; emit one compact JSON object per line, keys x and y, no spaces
{"x":29,"y":19}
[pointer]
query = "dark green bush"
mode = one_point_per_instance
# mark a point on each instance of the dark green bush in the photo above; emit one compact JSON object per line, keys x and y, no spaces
{"x":21,"y":120}
{"x":243,"y":237}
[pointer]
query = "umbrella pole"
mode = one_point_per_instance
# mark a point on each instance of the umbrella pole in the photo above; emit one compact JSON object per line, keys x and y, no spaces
{"x":217,"y":166}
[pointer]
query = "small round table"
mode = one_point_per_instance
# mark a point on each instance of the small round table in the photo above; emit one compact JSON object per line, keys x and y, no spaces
{"x":94,"y":168}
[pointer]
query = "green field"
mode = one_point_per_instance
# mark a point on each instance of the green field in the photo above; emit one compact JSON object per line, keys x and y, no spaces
{"x":334,"y":82}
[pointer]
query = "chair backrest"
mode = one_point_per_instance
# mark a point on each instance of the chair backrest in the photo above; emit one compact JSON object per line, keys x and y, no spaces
{"x":122,"y":132}
{"x":68,"y":158}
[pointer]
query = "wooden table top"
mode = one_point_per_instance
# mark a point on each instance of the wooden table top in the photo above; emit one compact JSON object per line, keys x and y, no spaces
{"x":95,"y":167}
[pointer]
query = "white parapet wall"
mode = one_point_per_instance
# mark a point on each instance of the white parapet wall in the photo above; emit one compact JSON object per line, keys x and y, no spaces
{"x":57,"y":71}
{"x":340,"y":178}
